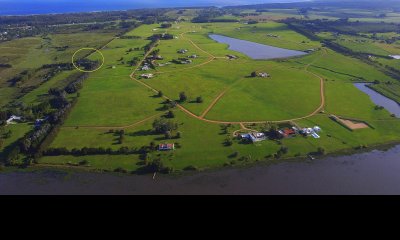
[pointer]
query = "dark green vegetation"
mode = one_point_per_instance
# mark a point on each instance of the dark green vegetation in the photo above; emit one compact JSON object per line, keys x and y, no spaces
{"x":165,"y":81}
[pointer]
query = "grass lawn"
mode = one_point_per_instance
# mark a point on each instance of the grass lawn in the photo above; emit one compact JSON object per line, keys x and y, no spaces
{"x":111,"y":99}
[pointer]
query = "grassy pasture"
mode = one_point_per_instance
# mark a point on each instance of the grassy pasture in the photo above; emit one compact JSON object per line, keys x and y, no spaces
{"x":110,"y":98}
{"x":288,"y":93}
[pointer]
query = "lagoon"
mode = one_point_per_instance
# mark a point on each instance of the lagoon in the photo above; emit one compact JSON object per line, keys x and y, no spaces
{"x":256,"y":50}
{"x":390,"y":105}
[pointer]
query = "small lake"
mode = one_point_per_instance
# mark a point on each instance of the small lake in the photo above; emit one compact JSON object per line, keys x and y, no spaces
{"x":390,"y":105}
{"x":375,"y":172}
{"x":256,"y":50}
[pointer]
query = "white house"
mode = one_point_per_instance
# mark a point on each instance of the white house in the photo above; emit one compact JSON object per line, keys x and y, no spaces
{"x":263,"y":75}
{"x":254,"y":137}
{"x":145,"y":68}
{"x":12,"y":119}
{"x":147,"y":76}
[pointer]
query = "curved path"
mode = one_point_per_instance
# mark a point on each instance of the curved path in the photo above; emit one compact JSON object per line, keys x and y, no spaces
{"x":202,"y":116}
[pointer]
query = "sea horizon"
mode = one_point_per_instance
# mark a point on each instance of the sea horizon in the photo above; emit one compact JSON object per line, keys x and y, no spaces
{"x":41,"y":7}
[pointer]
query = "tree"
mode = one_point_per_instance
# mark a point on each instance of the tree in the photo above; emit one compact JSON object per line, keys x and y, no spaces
{"x":199,"y":99}
{"x":284,"y":150}
{"x":121,"y":139}
{"x":160,"y":94}
{"x":182,"y":97}
{"x":178,"y":135}
{"x":170,"y":114}
{"x":168,"y":135}
{"x":228,"y":142}
{"x":162,"y":125}
{"x":152,"y":146}
{"x":166,"y":25}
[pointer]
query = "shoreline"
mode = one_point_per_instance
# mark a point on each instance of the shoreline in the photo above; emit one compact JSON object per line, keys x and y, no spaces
{"x":182,"y":173}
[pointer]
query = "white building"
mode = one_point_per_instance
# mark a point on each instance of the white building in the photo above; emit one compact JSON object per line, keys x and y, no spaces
{"x":147,"y":76}
{"x":12,"y":119}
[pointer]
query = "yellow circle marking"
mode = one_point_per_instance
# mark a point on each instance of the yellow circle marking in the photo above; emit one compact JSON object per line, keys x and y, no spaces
{"x":98,"y":51}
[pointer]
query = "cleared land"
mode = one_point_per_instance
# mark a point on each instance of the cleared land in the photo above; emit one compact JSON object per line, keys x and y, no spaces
{"x":302,"y":90}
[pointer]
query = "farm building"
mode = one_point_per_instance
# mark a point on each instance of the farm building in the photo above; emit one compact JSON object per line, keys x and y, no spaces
{"x":311,"y":131}
{"x":145,"y":68}
{"x":263,"y":75}
{"x":254,"y":136}
{"x":288,"y":132}
{"x":147,"y":76}
{"x":397,"y":57}
{"x":13,"y":118}
{"x":231,"y":57}
{"x":182,"y":51}
{"x":166,"y":146}
{"x":188,"y":61}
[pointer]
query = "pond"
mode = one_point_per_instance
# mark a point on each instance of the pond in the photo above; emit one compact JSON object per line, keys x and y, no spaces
{"x":256,"y":50}
{"x":390,"y":105}
{"x":375,"y":172}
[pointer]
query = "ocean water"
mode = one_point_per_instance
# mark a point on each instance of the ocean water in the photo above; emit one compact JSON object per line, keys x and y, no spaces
{"x":28,"y":7}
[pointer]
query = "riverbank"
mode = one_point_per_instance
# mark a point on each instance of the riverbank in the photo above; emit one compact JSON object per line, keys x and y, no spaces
{"x":270,"y":162}
{"x":374,"y":172}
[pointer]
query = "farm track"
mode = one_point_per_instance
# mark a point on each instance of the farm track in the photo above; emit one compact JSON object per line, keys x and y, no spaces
{"x":202,"y":116}
{"x":214,"y":102}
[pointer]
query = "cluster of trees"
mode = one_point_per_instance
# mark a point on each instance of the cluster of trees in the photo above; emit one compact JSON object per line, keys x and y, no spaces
{"x":128,"y":24}
{"x":150,"y":45}
{"x":59,"y":66}
{"x":129,"y":37}
{"x":161,"y":36}
{"x":85,"y":151}
{"x":77,"y":84}
{"x":162,"y":126}
{"x":168,"y":103}
{"x":166,"y":25}
{"x":252,"y":22}
{"x":134,"y":61}
{"x":87,"y":64}
{"x":282,"y":151}
{"x":21,"y":77}
{"x":34,"y":143}
{"x":206,"y":15}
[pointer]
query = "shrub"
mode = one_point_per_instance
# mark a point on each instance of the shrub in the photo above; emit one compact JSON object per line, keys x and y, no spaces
{"x":178,"y":135}
{"x":170,"y":114}
{"x":182,"y":97}
{"x":83,"y":162}
{"x":321,"y":151}
{"x":228,"y":142}
{"x":191,"y":168}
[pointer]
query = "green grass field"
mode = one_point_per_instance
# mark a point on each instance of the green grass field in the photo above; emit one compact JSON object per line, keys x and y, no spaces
{"x":111,"y":99}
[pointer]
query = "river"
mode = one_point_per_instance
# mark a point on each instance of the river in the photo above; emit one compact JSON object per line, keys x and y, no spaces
{"x":256,"y":50}
{"x":375,"y":172}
